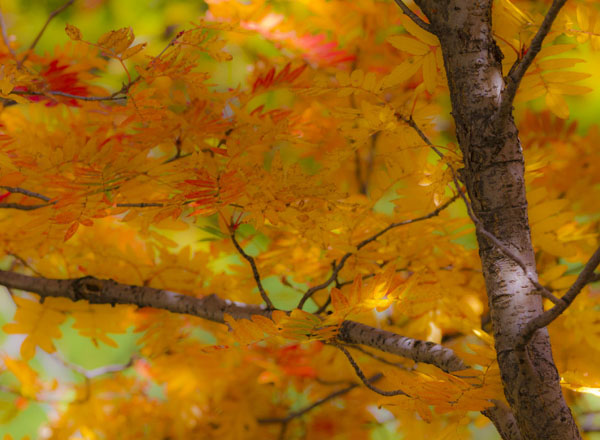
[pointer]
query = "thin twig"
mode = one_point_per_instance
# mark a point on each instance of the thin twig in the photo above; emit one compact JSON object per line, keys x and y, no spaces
{"x":69,"y":95}
{"x":24,"y":263}
{"x":542,"y":320}
{"x":15,"y":189}
{"x":531,"y":276}
{"x":39,"y":35}
{"x":364,"y":379}
{"x":301,"y":412}
{"x":519,"y":68}
{"x":376,"y":357}
{"x":250,"y":260}
{"x":5,"y":36}
{"x":140,"y":205}
{"x":414,"y":17}
{"x":100,"y":371}
{"x":338,"y":267}
{"x":22,"y":207}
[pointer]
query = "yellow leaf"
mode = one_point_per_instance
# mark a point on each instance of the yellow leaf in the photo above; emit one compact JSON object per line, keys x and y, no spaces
{"x":73,"y":32}
{"x":6,"y":86}
{"x":95,"y":321}
{"x":557,"y":105}
{"x":429,"y":72}
{"x":417,"y":31}
{"x":403,"y":72}
{"x":408,"y":44}
{"x":132,"y":51}
{"x":39,"y":322}
{"x":24,"y":374}
{"x":117,"y":41}
{"x":357,"y":77}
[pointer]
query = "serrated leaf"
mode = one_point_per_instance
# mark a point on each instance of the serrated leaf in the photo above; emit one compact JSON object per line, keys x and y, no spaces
{"x":73,"y":32}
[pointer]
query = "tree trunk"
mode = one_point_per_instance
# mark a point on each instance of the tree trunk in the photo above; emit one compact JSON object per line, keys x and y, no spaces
{"x":494,"y":177}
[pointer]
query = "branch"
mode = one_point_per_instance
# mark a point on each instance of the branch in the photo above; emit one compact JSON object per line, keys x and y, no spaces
{"x":22,"y":207}
{"x":113,"y":97}
{"x":364,"y":379}
{"x":376,"y":357}
{"x":531,"y":276}
{"x":301,"y":412}
{"x":444,"y":358}
{"x":16,"y":189}
{"x":338,"y":267}
{"x":250,"y":260}
{"x":519,"y":68}
{"x":414,"y":17}
{"x":213,"y":308}
{"x":39,"y":35}
{"x":585,"y":277}
{"x":504,"y":420}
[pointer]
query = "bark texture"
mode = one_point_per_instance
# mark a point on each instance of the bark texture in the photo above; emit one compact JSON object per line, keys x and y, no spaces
{"x":494,"y":176}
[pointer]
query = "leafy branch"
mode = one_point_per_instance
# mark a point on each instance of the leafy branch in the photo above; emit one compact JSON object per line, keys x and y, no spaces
{"x":531,"y":275}
{"x":338,"y":267}
{"x":299,"y":413}
{"x":586,"y":276}
{"x":213,"y":308}
{"x":519,"y":68}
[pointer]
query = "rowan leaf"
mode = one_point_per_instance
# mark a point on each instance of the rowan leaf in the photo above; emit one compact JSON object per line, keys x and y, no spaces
{"x":73,"y":32}
{"x":39,"y":322}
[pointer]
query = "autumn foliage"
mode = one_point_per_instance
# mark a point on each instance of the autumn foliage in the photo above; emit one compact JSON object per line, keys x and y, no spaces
{"x":299,"y":177}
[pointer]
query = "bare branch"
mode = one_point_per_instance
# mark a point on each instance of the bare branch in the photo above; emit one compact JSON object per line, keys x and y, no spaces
{"x":250,"y":260}
{"x":338,"y":267}
{"x":100,"y":371}
{"x":15,"y":189}
{"x":376,"y":357}
{"x":113,"y":97}
{"x":519,"y":68}
{"x":22,"y":207}
{"x":504,"y":420}
{"x":414,"y":17}
{"x":301,"y":412}
{"x":140,"y":205}
{"x":213,"y":308}
{"x":542,"y":320}
{"x":39,"y":35}
{"x":364,"y":379}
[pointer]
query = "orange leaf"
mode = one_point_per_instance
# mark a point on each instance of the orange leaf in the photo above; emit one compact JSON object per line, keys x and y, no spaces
{"x":73,"y":32}
{"x":72,"y":229}
{"x":12,"y":179}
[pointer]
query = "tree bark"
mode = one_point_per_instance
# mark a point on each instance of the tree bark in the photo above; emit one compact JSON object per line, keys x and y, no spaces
{"x":494,"y":177}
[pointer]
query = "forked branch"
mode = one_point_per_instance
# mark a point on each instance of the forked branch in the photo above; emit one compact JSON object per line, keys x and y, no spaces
{"x":364,"y":379}
{"x":339,"y":266}
{"x":414,"y":17}
{"x":585,"y":277}
{"x":519,"y":68}
{"x":545,"y":292}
